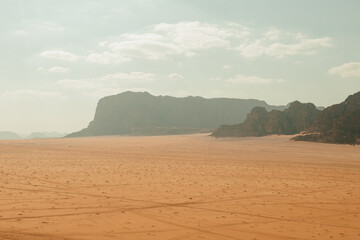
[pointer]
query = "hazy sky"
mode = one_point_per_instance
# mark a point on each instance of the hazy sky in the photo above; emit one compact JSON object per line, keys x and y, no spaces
{"x":59,"y":57}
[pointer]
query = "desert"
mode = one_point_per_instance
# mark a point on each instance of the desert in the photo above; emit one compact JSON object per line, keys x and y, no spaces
{"x":178,"y":187}
{"x":179,"y":120}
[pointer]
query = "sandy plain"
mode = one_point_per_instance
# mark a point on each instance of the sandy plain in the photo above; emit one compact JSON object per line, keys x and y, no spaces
{"x":178,"y":187}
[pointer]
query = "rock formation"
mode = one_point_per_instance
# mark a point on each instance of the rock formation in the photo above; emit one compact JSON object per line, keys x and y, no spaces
{"x":131,"y":113}
{"x":339,"y":123}
{"x":259,"y":122}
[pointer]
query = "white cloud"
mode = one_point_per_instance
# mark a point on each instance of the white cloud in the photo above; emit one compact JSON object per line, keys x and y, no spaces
{"x":108,"y":84}
{"x":347,"y":70}
{"x":76,"y":84}
{"x":273,"y":34}
{"x":107,"y":58}
{"x":226,"y":67}
{"x":59,"y":54}
{"x":26,"y":94}
{"x":41,"y":25}
{"x":58,"y":69}
{"x":253,"y":49}
{"x":280,"y":44}
{"x":36,"y":27}
{"x":55,"y":69}
{"x":192,"y":36}
{"x":161,"y":41}
{"x":19,"y":32}
{"x":252,"y":80}
{"x":133,"y":77}
{"x":146,"y":45}
{"x":175,"y":76}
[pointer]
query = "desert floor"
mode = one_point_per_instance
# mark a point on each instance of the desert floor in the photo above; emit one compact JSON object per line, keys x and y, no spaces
{"x":178,"y":187}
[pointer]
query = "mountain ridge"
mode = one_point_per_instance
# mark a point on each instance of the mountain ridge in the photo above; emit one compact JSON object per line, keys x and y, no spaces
{"x":259,"y":122}
{"x":339,"y":123}
{"x":140,"y":113}
{"x":8,"y":135}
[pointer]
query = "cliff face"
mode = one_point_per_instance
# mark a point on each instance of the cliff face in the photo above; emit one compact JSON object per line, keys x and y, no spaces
{"x":259,"y":122}
{"x":144,"y":114}
{"x":301,"y":116}
{"x":339,"y":123}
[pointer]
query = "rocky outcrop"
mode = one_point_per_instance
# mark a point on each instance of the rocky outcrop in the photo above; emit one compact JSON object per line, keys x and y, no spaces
{"x":259,"y":122}
{"x":132,"y":113}
{"x":339,"y":123}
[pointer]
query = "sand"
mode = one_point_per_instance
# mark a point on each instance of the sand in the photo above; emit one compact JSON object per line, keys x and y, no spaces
{"x":178,"y":187}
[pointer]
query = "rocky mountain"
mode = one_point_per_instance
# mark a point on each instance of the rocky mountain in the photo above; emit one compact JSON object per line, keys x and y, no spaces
{"x":135,"y":113}
{"x":259,"y":122}
{"x":6,"y":135}
{"x":339,"y":123}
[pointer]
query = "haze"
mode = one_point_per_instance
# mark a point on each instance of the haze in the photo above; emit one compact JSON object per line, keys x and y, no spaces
{"x":59,"y":57}
{"x":179,"y":119}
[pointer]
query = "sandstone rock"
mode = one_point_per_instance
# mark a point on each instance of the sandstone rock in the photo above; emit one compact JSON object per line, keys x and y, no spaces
{"x":134,"y":113}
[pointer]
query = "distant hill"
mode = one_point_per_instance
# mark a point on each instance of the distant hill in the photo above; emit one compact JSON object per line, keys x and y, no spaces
{"x":259,"y":122}
{"x":339,"y":123}
{"x":6,"y":135}
{"x":37,"y":135}
{"x":140,"y":113}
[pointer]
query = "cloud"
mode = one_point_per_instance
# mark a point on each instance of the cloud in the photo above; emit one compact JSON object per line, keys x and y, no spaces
{"x":108,"y":84}
{"x":41,"y":25}
{"x":164,"y":40}
{"x":36,"y":27}
{"x":226,"y":67}
{"x":55,"y":69}
{"x":19,"y":32}
{"x":280,"y":44}
{"x":58,"y":54}
{"x":193,"y":36}
{"x":58,"y":69}
{"x":133,"y":77}
{"x":252,"y":80}
{"x":76,"y":84}
{"x":107,"y":58}
{"x":273,"y":34}
{"x":175,"y":76}
{"x":346,"y":70}
{"x":27,"y":94}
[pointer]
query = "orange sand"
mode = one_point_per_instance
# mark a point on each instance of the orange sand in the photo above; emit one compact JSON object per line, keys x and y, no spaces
{"x":178,"y":187}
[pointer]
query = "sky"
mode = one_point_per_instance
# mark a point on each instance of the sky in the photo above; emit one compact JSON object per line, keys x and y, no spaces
{"x":58,"y":58}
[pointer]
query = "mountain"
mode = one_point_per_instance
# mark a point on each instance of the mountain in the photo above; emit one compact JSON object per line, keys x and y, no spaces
{"x":339,"y":123}
{"x":38,"y":135}
{"x":140,"y":113}
{"x":259,"y":122}
{"x":6,"y":135}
